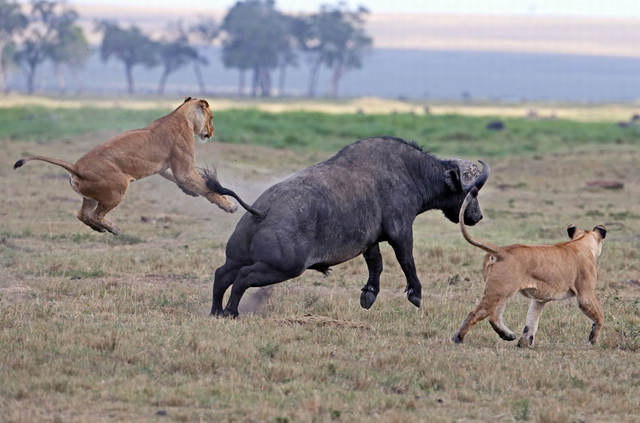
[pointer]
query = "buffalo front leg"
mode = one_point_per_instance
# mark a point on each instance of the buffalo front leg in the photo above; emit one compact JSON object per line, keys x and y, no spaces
{"x":374,"y":263}
{"x":225,"y":275}
{"x":403,"y":247}
{"x":259,"y":274}
{"x":531,"y":326}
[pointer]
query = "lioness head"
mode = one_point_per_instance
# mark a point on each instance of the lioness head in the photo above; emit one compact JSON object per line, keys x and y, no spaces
{"x":202,"y":124}
{"x":596,"y":237}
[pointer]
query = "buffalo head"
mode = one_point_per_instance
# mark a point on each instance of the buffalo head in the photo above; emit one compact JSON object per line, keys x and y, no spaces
{"x":464,"y":176}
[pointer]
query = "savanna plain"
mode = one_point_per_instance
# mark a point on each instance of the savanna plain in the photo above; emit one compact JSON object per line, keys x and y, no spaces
{"x":101,"y":328}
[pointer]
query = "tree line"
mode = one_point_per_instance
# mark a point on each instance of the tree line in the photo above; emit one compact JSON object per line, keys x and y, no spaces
{"x":256,"y":38}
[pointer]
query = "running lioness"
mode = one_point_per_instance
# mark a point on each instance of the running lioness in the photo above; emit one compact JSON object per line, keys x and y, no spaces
{"x":542,"y":273}
{"x":166,"y":147}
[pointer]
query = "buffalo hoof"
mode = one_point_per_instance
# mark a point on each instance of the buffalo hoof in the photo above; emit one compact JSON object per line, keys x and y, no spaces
{"x":367,"y":298}
{"x":415,"y":300}
{"x":230,"y":314}
{"x":217,"y":313}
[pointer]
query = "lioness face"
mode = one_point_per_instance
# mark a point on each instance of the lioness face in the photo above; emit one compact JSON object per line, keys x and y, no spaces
{"x":206,"y":130}
{"x":202,"y":125}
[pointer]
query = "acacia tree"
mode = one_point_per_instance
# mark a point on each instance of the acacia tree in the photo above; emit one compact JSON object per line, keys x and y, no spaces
{"x":334,"y":37}
{"x":71,"y":48}
{"x":173,"y":55}
{"x":206,"y":31}
{"x":130,"y":46}
{"x":7,"y":62}
{"x":12,"y":22}
{"x":287,"y":50}
{"x":254,"y":38}
{"x":46,"y":21}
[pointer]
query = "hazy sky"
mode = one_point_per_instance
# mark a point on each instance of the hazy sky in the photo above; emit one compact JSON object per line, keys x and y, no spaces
{"x":590,"y":8}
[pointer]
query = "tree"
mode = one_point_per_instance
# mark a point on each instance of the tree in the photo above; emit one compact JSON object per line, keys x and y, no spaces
{"x":12,"y":22}
{"x":334,"y":37}
{"x":71,"y":48}
{"x":7,"y":62}
{"x":47,"y":20}
{"x":206,"y":31}
{"x":254,"y":39}
{"x":287,"y":52}
{"x":130,"y":46}
{"x":173,"y":55}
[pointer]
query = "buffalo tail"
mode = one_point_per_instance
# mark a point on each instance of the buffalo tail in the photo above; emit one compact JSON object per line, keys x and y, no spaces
{"x":210,"y":177}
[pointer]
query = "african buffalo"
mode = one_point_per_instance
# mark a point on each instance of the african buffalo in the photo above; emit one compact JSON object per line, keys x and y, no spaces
{"x":371,"y":191}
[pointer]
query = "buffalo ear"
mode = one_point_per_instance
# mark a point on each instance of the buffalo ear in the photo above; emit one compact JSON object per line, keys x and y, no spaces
{"x":571,"y":230}
{"x":452,"y":179}
{"x":602,"y":230}
{"x":187,"y":99}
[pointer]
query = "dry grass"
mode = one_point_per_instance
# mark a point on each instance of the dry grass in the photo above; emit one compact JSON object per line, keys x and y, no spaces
{"x":98,"y":328}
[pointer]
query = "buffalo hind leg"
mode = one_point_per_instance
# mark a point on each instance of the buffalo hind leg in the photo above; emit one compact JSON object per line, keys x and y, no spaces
{"x":225,"y":275}
{"x":531,"y":326}
{"x":256,"y":275}
{"x":374,"y":263}
{"x":403,"y":247}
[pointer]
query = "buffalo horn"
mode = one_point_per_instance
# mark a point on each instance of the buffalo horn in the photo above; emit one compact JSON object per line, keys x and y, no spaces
{"x":480,"y":180}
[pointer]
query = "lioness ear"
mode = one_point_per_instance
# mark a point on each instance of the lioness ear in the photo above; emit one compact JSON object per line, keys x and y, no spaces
{"x":187,"y":99}
{"x":452,"y":179}
{"x":204,"y":104}
{"x":571,"y":230}
{"x":602,"y":230}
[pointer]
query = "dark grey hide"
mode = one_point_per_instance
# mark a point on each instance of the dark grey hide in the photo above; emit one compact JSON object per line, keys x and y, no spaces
{"x":331,"y":212}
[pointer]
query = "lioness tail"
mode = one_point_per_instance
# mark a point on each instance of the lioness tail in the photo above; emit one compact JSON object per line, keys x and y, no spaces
{"x":211,"y":179}
{"x":487,"y":246}
{"x":66,"y":165}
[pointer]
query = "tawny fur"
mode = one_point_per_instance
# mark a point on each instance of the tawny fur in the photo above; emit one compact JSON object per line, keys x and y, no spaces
{"x":166,"y":147}
{"x":542,"y":273}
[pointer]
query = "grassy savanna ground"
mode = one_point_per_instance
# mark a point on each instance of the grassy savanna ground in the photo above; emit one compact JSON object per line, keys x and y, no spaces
{"x":101,"y":328}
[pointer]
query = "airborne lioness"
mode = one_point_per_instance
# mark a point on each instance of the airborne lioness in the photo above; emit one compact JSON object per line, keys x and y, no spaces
{"x":166,"y":147}
{"x":542,"y":273}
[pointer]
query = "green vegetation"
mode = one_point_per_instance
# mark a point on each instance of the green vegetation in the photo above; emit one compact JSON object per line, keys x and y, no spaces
{"x":43,"y":124}
{"x":302,"y":131}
